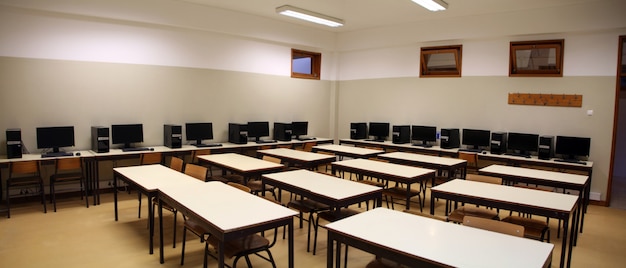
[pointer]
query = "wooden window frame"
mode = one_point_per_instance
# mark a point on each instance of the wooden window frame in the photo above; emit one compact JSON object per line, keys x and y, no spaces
{"x":457,"y":50}
{"x":526,"y":45}
{"x":316,"y":63}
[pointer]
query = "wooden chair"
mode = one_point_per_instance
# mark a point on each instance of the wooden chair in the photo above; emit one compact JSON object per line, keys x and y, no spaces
{"x":308,"y":146}
{"x":200,"y":173}
{"x":67,"y":171}
{"x":147,"y":159}
{"x":472,"y":162}
{"x":175,"y":164}
{"x":196,"y":171}
{"x":494,"y":226}
{"x":256,"y":185}
{"x":458,"y":214}
{"x":535,"y":229}
{"x":24,"y":174}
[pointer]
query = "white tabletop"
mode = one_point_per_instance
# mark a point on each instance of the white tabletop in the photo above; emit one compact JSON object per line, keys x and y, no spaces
{"x":153,"y":177}
{"x":437,"y":160}
{"x":396,"y":170}
{"x":30,"y":157}
{"x":502,"y":193}
{"x":297,"y":154}
{"x":348,"y":149}
{"x":536,"y":174}
{"x":224,"y":206}
{"x":325,"y":185}
{"x":442,"y":242}
{"x":239,"y":162}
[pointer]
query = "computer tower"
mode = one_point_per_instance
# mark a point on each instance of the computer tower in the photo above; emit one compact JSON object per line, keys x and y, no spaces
{"x":282,"y":131}
{"x":173,"y":136}
{"x":100,"y":139}
{"x":546,"y":147}
{"x":450,"y":138}
{"x":498,"y":143}
{"x":358,"y":131}
{"x":237,"y":133}
{"x":14,"y":143}
{"x":401,"y":134}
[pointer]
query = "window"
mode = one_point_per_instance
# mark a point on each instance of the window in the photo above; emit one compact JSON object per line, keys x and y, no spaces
{"x":442,"y":61}
{"x":305,"y":64}
{"x":536,"y":58}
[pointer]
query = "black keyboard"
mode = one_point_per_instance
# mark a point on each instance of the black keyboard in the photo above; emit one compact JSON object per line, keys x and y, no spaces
{"x":422,"y":145}
{"x":265,"y":141}
{"x":59,"y":154}
{"x":305,"y":139}
{"x":470,"y":150}
{"x":136,"y":149}
{"x":375,"y":140}
{"x":572,"y":161}
{"x":204,"y":145}
{"x":521,"y":155}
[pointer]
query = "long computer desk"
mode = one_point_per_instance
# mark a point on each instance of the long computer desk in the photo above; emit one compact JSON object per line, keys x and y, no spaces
{"x":417,"y":241}
{"x":226,"y":212}
{"x":307,"y":160}
{"x":407,"y":175}
{"x":542,"y":203}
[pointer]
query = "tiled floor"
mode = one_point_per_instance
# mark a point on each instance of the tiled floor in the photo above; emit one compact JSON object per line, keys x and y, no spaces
{"x":76,"y":236}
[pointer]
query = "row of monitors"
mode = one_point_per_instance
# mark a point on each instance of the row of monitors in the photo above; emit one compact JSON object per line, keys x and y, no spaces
{"x":63,"y":136}
{"x":475,"y":138}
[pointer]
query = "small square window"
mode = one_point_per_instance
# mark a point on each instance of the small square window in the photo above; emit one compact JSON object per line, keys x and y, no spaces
{"x":441,"y":61}
{"x":536,"y":58}
{"x":305,"y":64}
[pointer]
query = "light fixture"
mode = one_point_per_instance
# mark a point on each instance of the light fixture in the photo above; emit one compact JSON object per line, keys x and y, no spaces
{"x":307,"y":15}
{"x":432,"y":5}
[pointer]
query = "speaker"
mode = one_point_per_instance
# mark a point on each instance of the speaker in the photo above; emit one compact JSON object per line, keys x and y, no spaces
{"x":173,"y":136}
{"x":401,"y":134}
{"x":100,"y":139}
{"x":450,"y":138}
{"x":237,"y":133}
{"x":14,"y":143}
{"x":546,"y":147}
{"x":498,"y":143}
{"x":358,"y":131}
{"x":282,"y":131}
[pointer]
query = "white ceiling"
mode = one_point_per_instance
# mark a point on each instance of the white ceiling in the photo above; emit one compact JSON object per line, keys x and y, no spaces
{"x":367,"y":14}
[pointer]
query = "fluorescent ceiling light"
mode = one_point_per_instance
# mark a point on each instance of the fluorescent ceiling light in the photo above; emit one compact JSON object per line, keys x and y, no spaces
{"x":432,"y":5}
{"x":311,"y":16}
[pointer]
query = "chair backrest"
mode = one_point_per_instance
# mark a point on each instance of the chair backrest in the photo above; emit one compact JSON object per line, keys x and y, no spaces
{"x":271,"y":159}
{"x":471,"y":158}
{"x":196,"y":153}
{"x":23,"y":168}
{"x":150,"y":158}
{"x":308,"y":146}
{"x":198,"y":172}
{"x":69,"y":164}
{"x":494,"y":225}
{"x":240,"y":186}
{"x":483,"y":178}
{"x":176,"y":164}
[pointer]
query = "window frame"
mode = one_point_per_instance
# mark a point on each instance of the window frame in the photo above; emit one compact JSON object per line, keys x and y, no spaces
{"x":316,"y":63}
{"x":558,"y":45}
{"x":457,"y":50}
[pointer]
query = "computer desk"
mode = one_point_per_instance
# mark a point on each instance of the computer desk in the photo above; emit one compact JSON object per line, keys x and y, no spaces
{"x":418,"y":241}
{"x":542,"y":203}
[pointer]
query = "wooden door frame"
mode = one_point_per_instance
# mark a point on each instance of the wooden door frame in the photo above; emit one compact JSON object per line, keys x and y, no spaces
{"x":622,"y":39}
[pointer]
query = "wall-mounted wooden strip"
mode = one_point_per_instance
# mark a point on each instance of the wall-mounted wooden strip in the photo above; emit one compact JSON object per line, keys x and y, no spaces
{"x":564,"y":100}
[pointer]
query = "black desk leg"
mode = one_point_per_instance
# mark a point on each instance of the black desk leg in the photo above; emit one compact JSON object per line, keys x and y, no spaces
{"x":329,"y":250}
{"x":115,"y":194}
{"x":161,"y":257}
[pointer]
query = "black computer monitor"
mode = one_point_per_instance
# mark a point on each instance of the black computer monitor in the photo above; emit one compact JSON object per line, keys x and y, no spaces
{"x":570,"y":148}
{"x":198,"y":132}
{"x":299,"y":128}
{"x":380,"y":131}
{"x":423,"y":134}
{"x":522,"y":143}
{"x":259,"y":129}
{"x":127,"y":134}
{"x":476,"y":138}
{"x":55,"y":137}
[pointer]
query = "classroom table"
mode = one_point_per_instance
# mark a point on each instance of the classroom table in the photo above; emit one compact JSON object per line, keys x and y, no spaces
{"x":386,"y":171}
{"x":580,"y":183}
{"x":542,"y":203}
{"x":246,"y":166}
{"x":451,"y":165}
{"x":226,"y":212}
{"x":303,"y":159}
{"x":347,"y":151}
{"x":418,"y":241}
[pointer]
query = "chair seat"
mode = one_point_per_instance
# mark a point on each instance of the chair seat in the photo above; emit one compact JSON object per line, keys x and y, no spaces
{"x":533,"y":228}
{"x":234,"y":178}
{"x":24,"y":181}
{"x":66,"y":177}
{"x":306,"y":205}
{"x":458,"y":214}
{"x":241,"y":245}
{"x":400,"y":192}
{"x":333,"y":216}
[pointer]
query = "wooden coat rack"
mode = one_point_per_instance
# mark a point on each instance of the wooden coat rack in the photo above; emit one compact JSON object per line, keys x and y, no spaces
{"x":562,"y":100}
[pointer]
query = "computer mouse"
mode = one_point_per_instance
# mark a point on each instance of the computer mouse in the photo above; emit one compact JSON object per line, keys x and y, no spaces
{"x":484,"y":152}
{"x":151,"y":149}
{"x":77,"y":154}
